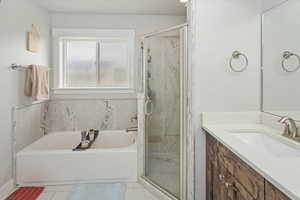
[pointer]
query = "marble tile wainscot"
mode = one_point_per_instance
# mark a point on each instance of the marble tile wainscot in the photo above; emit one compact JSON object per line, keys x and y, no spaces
{"x":74,"y":115}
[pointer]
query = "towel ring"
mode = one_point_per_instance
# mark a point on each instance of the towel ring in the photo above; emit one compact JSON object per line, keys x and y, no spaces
{"x":287,"y":55}
{"x":236,"y":55}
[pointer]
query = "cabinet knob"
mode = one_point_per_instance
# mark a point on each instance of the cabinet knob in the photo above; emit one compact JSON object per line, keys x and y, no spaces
{"x":229,"y":185}
{"x":221,"y":177}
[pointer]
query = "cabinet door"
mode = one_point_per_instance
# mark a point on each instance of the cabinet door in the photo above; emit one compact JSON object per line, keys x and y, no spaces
{"x":217,"y":190}
{"x":227,"y":158}
{"x":240,"y":192}
{"x":209,"y":180}
{"x":210,"y":154}
{"x":272,"y":193}
{"x":221,"y":191}
{"x":211,"y":149}
{"x":245,"y":177}
{"x":249,"y":180}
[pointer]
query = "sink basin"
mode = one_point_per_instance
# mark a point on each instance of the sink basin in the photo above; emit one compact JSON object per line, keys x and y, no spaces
{"x":268,"y":145}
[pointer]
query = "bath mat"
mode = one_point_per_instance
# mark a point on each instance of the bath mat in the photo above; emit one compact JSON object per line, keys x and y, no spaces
{"x":28,"y":193}
{"x":98,"y":192}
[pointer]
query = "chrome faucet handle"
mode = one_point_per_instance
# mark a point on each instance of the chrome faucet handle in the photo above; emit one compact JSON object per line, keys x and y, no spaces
{"x":284,"y":119}
{"x":290,"y":129}
{"x":83,"y":136}
{"x":134,"y":119}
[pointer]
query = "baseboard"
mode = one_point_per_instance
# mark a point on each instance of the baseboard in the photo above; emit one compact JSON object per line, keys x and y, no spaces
{"x":6,"y":189}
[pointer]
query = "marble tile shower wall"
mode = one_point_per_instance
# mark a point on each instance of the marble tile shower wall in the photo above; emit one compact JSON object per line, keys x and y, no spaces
{"x":30,"y":124}
{"x":76,"y":115}
{"x":165,"y":121}
{"x":163,"y":158}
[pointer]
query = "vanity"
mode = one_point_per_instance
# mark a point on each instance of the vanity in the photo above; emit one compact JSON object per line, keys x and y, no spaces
{"x":256,"y":156}
{"x":228,"y":177}
{"x":248,"y":158}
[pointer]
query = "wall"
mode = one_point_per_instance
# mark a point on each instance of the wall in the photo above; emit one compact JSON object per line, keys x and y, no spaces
{"x":16,"y":18}
{"x":219,"y":28}
{"x":142,"y":24}
{"x":30,"y":123}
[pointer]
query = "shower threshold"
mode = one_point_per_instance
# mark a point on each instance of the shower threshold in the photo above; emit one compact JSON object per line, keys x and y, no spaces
{"x":157,"y":189}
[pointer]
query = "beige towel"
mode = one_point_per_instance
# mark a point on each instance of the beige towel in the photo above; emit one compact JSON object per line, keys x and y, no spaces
{"x":36,"y":83}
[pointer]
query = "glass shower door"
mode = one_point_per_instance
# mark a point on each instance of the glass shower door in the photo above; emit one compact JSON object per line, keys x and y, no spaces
{"x":163,"y":110}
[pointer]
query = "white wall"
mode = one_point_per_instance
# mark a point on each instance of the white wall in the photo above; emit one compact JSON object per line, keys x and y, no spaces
{"x":141,"y":23}
{"x":16,"y":18}
{"x":219,"y":28}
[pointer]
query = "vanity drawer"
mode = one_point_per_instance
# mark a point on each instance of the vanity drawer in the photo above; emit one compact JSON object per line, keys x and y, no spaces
{"x":272,"y":193}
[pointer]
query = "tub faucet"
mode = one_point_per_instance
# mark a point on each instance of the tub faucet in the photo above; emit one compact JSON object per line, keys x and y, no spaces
{"x":134,"y":119}
{"x":84,"y":139}
{"x":290,"y":128}
{"x":132,"y":129}
{"x":83,"y":136}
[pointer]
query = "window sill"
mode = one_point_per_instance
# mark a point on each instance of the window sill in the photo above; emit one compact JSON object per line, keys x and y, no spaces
{"x":93,"y":93}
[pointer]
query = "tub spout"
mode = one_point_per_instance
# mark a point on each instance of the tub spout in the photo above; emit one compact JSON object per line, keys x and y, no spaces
{"x":132,"y":129}
{"x":84,"y":139}
{"x":83,"y":136}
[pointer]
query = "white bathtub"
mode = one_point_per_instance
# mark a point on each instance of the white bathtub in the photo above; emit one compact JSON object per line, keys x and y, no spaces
{"x":50,"y":160}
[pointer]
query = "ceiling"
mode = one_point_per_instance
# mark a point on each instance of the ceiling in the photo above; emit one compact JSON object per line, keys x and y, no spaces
{"x":147,"y":7}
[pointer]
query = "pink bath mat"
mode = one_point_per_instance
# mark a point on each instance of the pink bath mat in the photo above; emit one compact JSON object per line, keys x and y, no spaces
{"x":26,"y":193}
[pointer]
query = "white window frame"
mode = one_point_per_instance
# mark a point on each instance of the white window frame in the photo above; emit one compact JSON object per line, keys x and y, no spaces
{"x":58,"y":89}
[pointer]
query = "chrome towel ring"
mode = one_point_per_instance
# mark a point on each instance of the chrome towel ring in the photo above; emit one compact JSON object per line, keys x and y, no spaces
{"x":287,"y":55}
{"x":237,"y":55}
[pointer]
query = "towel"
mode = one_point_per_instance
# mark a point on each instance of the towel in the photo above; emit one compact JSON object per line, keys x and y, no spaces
{"x":36,"y":83}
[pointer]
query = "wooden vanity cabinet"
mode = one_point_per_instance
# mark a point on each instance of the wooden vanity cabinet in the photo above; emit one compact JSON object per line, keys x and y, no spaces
{"x":272,"y":193}
{"x":216,"y":189}
{"x":221,"y":182}
{"x":229,"y":178}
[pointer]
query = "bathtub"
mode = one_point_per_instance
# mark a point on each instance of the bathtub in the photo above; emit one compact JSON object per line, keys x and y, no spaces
{"x":51,"y":161}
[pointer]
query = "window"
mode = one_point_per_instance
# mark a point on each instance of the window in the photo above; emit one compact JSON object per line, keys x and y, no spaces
{"x":101,"y":60}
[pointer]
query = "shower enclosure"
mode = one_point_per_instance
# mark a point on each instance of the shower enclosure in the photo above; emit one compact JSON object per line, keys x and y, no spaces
{"x":165,"y":54}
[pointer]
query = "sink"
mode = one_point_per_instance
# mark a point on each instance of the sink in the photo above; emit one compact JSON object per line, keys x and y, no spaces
{"x":268,"y":145}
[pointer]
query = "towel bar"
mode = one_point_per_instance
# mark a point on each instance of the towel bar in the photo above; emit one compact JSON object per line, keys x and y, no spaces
{"x":17,"y":67}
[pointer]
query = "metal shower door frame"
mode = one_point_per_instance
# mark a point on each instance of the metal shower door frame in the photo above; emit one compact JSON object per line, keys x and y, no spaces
{"x":183,"y":28}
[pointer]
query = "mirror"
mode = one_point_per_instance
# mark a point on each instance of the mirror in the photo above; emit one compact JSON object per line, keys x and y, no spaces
{"x":280,"y":59}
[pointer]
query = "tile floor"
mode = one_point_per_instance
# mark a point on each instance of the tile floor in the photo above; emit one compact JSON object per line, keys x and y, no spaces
{"x":134,"y":192}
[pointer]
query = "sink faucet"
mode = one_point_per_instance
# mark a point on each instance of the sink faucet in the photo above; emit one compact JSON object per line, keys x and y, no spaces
{"x":290,"y":128}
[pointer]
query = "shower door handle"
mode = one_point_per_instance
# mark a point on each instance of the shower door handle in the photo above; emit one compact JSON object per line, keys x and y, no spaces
{"x":148,"y":102}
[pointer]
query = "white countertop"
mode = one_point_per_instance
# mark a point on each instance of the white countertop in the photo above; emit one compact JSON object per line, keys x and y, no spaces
{"x":283,"y":172}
